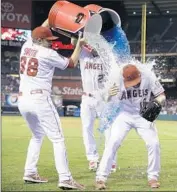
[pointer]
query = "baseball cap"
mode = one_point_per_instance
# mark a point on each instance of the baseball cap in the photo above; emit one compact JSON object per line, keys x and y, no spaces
{"x":131,"y":75}
{"x":43,"y":33}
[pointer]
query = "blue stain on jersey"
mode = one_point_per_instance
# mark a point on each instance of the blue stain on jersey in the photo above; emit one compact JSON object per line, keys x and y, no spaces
{"x":108,"y":115}
{"x":117,"y":37}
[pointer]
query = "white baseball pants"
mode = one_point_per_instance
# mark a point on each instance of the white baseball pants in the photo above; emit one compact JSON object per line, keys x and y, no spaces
{"x":90,"y":109}
{"x":42,"y":118}
{"x":121,"y":126}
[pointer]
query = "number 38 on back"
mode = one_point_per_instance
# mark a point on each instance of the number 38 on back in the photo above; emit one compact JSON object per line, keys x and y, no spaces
{"x":31,"y":64}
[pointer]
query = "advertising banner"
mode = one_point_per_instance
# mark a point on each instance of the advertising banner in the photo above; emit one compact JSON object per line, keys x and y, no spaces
{"x":69,"y":89}
{"x":16,"y":14}
{"x":11,"y":43}
{"x":15,"y":34}
{"x":11,"y":100}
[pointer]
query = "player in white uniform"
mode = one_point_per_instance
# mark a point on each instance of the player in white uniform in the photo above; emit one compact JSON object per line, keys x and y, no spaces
{"x":37,"y":64}
{"x":136,"y":86}
{"x":92,"y":106}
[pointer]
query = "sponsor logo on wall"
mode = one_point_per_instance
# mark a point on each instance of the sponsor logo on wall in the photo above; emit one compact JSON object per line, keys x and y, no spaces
{"x":12,"y":43}
{"x":12,"y":100}
{"x":16,"y":14}
{"x":71,"y":90}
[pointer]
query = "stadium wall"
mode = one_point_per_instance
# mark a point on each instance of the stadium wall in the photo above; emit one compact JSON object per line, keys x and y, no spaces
{"x":167,"y":117}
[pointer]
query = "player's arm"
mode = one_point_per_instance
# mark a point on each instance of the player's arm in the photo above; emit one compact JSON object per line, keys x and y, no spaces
{"x":62,"y":62}
{"x":157,"y":89}
{"x":161,"y":98}
{"x":155,"y":86}
{"x":73,"y":60}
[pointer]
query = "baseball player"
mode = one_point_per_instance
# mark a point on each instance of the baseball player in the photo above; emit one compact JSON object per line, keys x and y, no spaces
{"x":137,"y":83}
{"x":37,"y":64}
{"x":92,"y":79}
{"x":91,"y":106}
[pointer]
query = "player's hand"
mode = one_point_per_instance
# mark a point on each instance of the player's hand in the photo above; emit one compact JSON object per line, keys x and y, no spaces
{"x":81,"y":40}
{"x":113,"y":90}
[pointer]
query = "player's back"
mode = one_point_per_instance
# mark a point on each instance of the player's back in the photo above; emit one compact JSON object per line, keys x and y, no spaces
{"x":37,"y":64}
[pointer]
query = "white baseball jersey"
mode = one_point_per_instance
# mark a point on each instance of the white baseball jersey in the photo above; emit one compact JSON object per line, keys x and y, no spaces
{"x":37,"y":66}
{"x":133,"y":98}
{"x":91,"y":71}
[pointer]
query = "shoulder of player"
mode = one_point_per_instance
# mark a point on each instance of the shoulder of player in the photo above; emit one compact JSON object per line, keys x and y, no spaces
{"x":46,"y":52}
{"x":27,"y":42}
{"x":56,"y":53}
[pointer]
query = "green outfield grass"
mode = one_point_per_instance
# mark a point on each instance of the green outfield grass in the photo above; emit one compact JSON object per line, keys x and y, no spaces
{"x":132,"y":159}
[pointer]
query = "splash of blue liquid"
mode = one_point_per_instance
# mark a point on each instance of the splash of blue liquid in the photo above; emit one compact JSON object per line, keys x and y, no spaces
{"x":117,"y":37}
{"x":108,"y":115}
{"x":121,"y":49}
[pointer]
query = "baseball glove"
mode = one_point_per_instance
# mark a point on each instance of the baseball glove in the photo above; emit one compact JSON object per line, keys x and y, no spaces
{"x":151,"y":111}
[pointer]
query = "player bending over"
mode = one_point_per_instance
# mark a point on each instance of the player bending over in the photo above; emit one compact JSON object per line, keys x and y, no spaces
{"x":37,"y":64}
{"x":137,"y":111}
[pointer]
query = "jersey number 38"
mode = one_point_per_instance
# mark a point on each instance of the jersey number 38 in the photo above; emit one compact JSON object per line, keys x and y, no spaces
{"x":31,"y":64}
